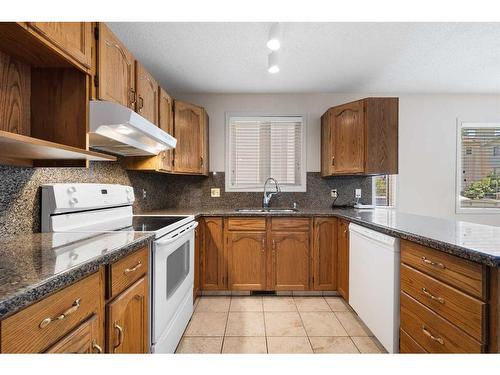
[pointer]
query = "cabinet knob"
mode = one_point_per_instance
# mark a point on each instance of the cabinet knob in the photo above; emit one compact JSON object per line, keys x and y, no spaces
{"x":333,"y":160}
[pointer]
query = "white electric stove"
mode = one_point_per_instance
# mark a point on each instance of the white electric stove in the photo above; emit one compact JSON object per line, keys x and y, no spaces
{"x":90,"y":208}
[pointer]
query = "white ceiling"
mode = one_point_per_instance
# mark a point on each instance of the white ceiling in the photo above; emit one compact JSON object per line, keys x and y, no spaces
{"x":319,"y":57}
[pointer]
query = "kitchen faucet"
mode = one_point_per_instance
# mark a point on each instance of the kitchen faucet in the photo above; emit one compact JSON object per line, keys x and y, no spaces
{"x":268,"y":196}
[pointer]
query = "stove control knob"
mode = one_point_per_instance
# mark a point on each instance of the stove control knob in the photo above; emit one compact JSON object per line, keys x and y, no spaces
{"x":73,"y":201}
{"x":71,"y":189}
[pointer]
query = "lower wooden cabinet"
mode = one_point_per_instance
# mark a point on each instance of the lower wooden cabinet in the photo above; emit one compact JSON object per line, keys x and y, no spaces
{"x":83,"y":340}
{"x":246,"y":257}
{"x":127,"y":320}
{"x":291,"y":255}
{"x":197,"y":259}
{"x":343,"y":258}
{"x":324,"y":256}
{"x":213,"y":264}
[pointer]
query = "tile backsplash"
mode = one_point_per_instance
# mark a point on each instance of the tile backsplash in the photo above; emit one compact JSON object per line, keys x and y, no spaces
{"x":20,"y":191}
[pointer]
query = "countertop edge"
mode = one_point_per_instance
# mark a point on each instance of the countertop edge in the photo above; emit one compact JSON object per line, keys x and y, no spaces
{"x":34,"y":293}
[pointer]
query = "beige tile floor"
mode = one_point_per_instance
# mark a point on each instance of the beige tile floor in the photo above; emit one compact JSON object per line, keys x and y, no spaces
{"x":254,"y":324}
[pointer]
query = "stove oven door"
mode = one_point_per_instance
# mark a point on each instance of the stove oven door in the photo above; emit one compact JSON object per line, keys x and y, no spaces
{"x":172,"y":280}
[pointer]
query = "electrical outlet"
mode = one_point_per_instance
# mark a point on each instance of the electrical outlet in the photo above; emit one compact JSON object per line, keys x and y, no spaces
{"x":144,"y":194}
{"x":215,"y":192}
{"x":357,"y":193}
{"x":334,"y":193}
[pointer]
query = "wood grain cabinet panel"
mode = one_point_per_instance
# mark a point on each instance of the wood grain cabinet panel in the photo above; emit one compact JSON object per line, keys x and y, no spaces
{"x":198,"y":235}
{"x":343,"y":258}
{"x":466,"y":312}
{"x":73,"y":38}
{"x":147,"y":94}
{"x":127,"y":320}
{"x":166,"y":123}
{"x":214,"y":263}
{"x":324,"y":254}
{"x":360,"y":137}
{"x":246,"y":223}
{"x":409,"y":346}
{"x":432,"y":332}
{"x":115,"y":70}
{"x":290,"y":254}
{"x":463,"y":274}
{"x":83,"y":340}
{"x":127,"y":270}
{"x":291,"y":224}
{"x":246,"y":255}
{"x":36,"y":328}
{"x":191,"y":132}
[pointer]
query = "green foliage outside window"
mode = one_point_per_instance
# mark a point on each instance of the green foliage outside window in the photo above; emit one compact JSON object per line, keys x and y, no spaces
{"x":479,"y":189}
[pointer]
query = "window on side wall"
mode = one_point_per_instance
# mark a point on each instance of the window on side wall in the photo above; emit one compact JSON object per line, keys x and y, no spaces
{"x":478,"y":168}
{"x":259,"y":147}
{"x":384,"y":190}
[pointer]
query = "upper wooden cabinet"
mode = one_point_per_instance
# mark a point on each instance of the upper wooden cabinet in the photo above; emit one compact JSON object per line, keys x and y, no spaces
{"x":115,"y":70}
{"x":324,"y":254}
{"x":191,"y":132}
{"x":72,"y":38}
{"x":147,"y":94}
{"x":166,"y":123}
{"x":360,"y":137}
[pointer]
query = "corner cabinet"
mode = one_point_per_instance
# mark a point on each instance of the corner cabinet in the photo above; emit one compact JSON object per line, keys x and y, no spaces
{"x":360,"y":138}
{"x":191,"y":132}
{"x":343,"y":258}
{"x":324,"y":256}
{"x":213,"y":257}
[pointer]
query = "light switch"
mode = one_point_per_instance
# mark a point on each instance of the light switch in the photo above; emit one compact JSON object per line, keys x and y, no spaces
{"x":215,"y":192}
{"x":357,"y":193}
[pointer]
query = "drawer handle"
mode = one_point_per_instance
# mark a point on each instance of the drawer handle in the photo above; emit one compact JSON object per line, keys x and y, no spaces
{"x":432,"y":296}
{"x":76,"y":305}
{"x":133,"y":269}
{"x":434,"y":264}
{"x":96,"y":347}
{"x":431,"y":336}
{"x":120,"y":335}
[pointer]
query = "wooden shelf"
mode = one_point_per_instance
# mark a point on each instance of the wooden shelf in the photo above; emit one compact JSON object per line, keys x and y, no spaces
{"x":20,"y":147}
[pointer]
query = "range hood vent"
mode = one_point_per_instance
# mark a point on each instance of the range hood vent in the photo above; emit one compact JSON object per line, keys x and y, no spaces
{"x":121,"y":131}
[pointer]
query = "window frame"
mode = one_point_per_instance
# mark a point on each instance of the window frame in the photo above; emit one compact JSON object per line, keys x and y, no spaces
{"x":392,"y":202}
{"x":458,"y":169}
{"x":302,"y":187}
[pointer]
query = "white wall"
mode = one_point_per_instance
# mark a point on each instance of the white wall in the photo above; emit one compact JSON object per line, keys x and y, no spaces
{"x":427,"y":139}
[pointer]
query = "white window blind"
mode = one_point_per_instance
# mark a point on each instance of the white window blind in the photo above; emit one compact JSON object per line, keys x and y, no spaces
{"x":478,"y":172}
{"x":262,"y":147}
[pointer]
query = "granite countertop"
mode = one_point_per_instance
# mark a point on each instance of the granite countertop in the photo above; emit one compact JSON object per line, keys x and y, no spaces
{"x":476,"y":242}
{"x":35,"y":265}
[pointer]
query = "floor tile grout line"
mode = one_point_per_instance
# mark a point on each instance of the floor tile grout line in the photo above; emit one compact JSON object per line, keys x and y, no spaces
{"x":225,"y":327}
{"x":305,"y":330}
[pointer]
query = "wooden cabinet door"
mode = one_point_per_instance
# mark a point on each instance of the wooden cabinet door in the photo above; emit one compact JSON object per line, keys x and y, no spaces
{"x":246,"y":258}
{"x":348,"y":138}
{"x":327,"y":158}
{"x":73,"y":38}
{"x":127,"y":320}
{"x":343,"y":258}
{"x":166,"y":123}
{"x":188,"y":129}
{"x":213,"y":265}
{"x":290,"y":254}
{"x":84,"y":339}
{"x":116,"y":70}
{"x":147,"y":94}
{"x":324,"y":257}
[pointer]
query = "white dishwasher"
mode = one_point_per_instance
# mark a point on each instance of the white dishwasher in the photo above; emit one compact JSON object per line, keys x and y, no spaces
{"x":374,"y":283}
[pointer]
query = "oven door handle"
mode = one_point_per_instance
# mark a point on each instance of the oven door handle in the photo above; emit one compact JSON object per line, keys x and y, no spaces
{"x":175,"y":235}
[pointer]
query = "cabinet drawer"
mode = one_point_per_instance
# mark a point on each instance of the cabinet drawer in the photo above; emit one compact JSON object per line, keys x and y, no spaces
{"x":433,"y":333}
{"x":460,"y":273}
{"x":466,"y":312}
{"x":247,"y":223}
{"x":127,"y":270}
{"x":407,"y":345}
{"x":299,"y":224}
{"x":38,"y":326}
{"x":82,"y":340}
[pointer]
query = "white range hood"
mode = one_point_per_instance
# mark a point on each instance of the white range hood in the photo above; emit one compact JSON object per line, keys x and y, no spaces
{"x":119,"y":130}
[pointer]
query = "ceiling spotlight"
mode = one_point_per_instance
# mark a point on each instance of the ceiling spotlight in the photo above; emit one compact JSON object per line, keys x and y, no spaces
{"x":273,"y":43}
{"x":272,"y":63}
